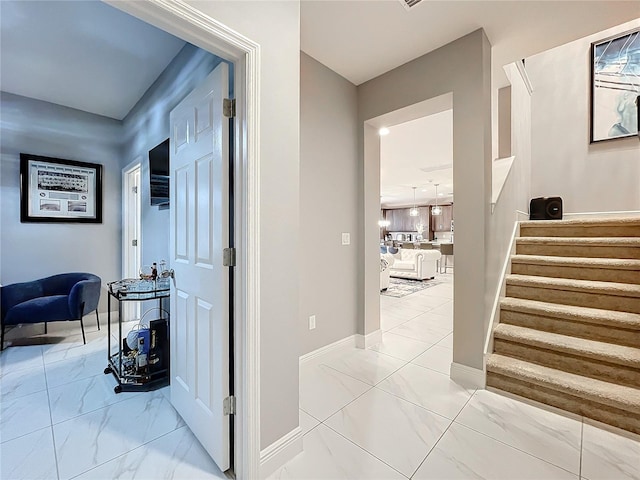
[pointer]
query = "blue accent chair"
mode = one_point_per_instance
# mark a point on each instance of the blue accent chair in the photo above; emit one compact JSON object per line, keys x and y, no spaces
{"x":67,"y":296}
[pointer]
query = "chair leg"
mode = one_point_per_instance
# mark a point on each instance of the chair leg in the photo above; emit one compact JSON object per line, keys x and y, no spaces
{"x":97,"y":319}
{"x":82,"y":327}
{"x":2,"y":339}
{"x":45,"y":328}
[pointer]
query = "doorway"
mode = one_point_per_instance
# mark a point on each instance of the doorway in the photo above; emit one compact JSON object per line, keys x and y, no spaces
{"x":201,"y":30}
{"x":131,"y":230}
{"x":416,"y":196}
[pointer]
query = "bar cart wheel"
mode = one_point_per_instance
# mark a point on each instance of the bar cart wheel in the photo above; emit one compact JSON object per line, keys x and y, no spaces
{"x":108,"y":370}
{"x":117,"y":388}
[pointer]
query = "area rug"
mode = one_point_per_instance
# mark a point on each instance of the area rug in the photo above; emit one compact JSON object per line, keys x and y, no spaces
{"x":401,"y":287}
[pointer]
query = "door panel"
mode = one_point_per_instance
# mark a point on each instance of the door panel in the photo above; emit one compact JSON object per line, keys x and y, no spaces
{"x":200,"y":232}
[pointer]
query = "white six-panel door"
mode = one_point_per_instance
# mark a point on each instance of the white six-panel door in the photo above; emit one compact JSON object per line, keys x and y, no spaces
{"x":199,"y":233}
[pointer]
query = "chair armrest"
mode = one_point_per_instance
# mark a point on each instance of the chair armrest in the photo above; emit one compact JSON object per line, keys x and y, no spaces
{"x":16,"y":293}
{"x":87,"y":293}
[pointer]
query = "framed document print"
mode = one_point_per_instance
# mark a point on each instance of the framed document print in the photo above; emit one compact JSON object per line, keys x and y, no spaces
{"x":57,"y":190}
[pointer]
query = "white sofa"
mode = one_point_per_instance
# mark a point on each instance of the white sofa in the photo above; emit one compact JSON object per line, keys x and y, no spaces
{"x":386,"y":261}
{"x":415,"y":264}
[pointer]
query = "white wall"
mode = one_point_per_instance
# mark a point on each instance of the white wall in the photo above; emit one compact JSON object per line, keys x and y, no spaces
{"x":34,"y":250}
{"x":276,"y":27}
{"x":147,"y":125}
{"x":464,"y":68}
{"x":589,"y":178}
{"x":328,"y":205}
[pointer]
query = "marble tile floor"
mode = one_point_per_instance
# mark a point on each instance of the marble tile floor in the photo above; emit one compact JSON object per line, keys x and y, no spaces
{"x":60,"y":419}
{"x":393,"y":413}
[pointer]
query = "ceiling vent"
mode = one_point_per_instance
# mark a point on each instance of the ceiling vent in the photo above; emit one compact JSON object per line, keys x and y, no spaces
{"x":409,"y":4}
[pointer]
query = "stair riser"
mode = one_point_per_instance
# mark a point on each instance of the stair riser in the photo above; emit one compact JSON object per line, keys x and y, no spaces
{"x":580,"y":299}
{"x":571,"y":363}
{"x":580,"y":231}
{"x":590,"y":331}
{"x":586,"y":251}
{"x":603,"y":413}
{"x":600,"y":274}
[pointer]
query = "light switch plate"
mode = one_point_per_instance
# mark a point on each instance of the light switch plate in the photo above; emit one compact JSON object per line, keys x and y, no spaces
{"x":346,"y":239}
{"x":312,"y":322}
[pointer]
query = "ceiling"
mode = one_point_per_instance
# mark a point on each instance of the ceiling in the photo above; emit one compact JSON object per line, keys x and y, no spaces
{"x":58,"y":52}
{"x":418,"y":154}
{"x":363,"y":39}
{"x":81,"y":54}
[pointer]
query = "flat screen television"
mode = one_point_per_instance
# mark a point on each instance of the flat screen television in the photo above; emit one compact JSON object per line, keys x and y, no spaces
{"x":159,"y":174}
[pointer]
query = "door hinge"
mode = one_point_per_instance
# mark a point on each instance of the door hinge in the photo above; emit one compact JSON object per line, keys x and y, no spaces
{"x":229,"y":257}
{"x":134,"y":189}
{"x":134,"y":243}
{"x":229,"y":107}
{"x":229,"y":406}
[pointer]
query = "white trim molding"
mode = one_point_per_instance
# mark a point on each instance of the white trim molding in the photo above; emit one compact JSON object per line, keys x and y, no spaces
{"x":280,"y":452}
{"x":467,"y":377}
{"x":190,"y":24}
{"x":345,"y":342}
{"x":366,"y":341}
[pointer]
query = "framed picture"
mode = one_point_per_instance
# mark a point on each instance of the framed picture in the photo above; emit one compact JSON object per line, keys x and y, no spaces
{"x":615,"y":86}
{"x":56,"y":190}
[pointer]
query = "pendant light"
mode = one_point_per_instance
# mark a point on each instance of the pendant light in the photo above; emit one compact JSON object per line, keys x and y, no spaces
{"x":436,"y":210}
{"x":414,"y":211}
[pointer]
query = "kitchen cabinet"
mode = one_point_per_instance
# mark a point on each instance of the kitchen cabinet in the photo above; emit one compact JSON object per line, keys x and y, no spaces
{"x":401,"y":221}
{"x":442,"y":223}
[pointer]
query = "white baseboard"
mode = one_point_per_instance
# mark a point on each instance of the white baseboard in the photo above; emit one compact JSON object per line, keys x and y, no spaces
{"x":280,"y":452}
{"x":345,"y":342}
{"x":468,"y":377}
{"x":365,"y":341}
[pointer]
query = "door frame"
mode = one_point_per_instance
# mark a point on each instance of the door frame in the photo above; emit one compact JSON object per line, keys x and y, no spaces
{"x":126,"y":238}
{"x":192,"y":25}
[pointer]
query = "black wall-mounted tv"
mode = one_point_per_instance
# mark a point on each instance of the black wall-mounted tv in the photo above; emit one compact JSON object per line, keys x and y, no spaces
{"x":159,"y":174}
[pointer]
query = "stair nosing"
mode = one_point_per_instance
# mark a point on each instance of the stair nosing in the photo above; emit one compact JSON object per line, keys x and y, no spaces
{"x":629,"y":221}
{"x":602,"y":351}
{"x":580,"y":262}
{"x":587,"y":241}
{"x":603,"y":388}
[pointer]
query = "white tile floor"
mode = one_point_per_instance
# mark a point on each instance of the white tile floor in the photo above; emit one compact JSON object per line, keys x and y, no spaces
{"x":393,"y":412}
{"x":387,"y":412}
{"x":60,"y":419}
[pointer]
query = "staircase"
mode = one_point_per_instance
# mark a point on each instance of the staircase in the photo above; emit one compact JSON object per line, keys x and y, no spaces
{"x":569,"y":331}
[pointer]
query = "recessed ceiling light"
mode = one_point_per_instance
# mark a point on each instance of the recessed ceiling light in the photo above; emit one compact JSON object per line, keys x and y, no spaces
{"x":424,"y":189}
{"x":383,"y":131}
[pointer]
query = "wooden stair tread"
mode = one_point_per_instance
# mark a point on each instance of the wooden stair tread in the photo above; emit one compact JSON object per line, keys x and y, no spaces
{"x":557,"y":261}
{"x":569,"y":312}
{"x":606,"y":352}
{"x":584,"y":286}
{"x":617,"y":396}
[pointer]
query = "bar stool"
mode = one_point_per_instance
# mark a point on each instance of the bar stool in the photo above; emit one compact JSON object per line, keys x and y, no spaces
{"x":446,"y":249}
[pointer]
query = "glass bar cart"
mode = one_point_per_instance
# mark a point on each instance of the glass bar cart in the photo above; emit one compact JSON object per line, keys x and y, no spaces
{"x":141,"y":362}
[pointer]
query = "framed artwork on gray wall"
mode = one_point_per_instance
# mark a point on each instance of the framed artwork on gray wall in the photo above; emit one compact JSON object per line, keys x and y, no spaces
{"x":53,"y":190}
{"x":615,"y":86}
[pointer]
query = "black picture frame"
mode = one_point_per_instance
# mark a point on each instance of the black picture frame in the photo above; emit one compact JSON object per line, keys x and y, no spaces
{"x":55,"y":190}
{"x":614,"y":87}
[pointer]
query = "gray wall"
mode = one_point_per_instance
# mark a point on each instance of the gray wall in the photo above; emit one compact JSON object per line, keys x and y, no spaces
{"x":515,"y":194}
{"x":147,"y":125}
{"x":589,"y":178}
{"x":34,"y":250}
{"x":464,"y":68}
{"x":328,"y":205}
{"x":276,"y":27}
